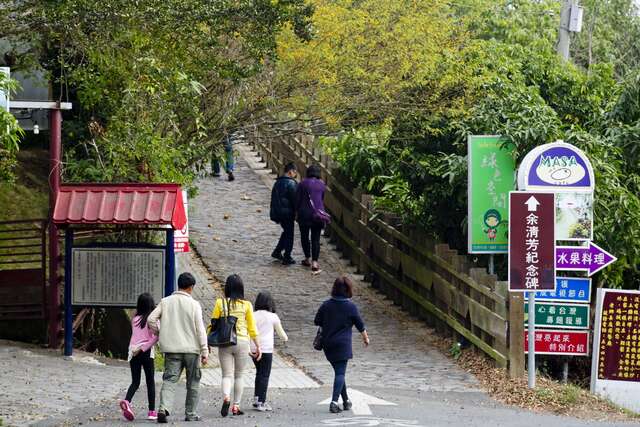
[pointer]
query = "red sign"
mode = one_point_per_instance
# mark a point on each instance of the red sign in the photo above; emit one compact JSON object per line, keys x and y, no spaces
{"x":532,"y":244}
{"x":618,"y":337}
{"x":181,"y":237}
{"x":567,"y":343}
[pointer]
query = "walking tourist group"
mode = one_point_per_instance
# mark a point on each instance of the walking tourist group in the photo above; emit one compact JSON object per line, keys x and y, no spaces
{"x":241,"y":330}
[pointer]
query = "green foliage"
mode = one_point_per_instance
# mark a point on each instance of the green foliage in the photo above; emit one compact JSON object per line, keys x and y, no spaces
{"x":156,"y":84}
{"x":414,"y":160}
{"x":10,"y":134}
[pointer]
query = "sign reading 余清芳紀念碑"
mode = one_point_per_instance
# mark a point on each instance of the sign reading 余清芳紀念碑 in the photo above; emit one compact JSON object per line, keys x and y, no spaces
{"x":563,"y":343}
{"x":615,"y":369}
{"x":559,"y":315}
{"x":568,"y":289}
{"x":115,"y":277}
{"x":531,"y":241}
{"x":491,"y":173}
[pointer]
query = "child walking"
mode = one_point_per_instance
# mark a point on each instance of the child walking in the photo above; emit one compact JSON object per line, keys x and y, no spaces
{"x":141,"y":354}
{"x":266,"y":322}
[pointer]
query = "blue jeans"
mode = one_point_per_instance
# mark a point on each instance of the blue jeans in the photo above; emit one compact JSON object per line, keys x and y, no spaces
{"x":228,"y":162}
{"x":339,"y":382}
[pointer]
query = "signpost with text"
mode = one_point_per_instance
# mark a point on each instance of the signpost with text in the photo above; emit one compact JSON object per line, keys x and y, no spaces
{"x":615,"y":368}
{"x":532,"y":247}
{"x":532,"y":243}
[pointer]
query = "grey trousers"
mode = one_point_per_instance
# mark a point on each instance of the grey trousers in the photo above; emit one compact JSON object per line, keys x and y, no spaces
{"x":233,"y":361}
{"x":174,"y":363}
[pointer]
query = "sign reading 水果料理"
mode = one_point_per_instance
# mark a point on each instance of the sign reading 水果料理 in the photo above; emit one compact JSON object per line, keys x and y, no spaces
{"x":531,"y":241}
{"x":589,"y":259}
{"x":491,"y":172}
{"x":115,"y":277}
{"x":559,"y":315}
{"x":615,"y":369}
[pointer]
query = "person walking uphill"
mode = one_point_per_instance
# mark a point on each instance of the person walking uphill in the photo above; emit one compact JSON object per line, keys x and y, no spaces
{"x":311,"y":215}
{"x":283,"y":212}
{"x":234,"y":358}
{"x":183,"y":340}
{"x":337,"y":316}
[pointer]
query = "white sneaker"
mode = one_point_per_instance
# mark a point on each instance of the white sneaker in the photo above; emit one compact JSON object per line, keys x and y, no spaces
{"x":256,"y":402}
{"x":265,"y":407}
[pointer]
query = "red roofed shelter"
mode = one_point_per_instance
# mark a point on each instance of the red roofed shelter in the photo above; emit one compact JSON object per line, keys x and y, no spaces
{"x":127,"y":205}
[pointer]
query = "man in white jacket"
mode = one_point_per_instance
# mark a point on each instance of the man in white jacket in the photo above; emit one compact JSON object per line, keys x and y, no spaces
{"x":183,"y":340}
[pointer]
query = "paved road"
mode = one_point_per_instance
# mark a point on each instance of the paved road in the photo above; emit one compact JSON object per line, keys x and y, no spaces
{"x":401,"y":380}
{"x":230,"y":227}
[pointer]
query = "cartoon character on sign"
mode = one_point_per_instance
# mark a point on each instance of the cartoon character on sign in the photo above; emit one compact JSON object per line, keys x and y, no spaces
{"x":492,"y":219}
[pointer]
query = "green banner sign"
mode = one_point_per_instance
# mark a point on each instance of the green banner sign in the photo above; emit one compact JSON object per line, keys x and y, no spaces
{"x":557,"y":315}
{"x":491,"y":177}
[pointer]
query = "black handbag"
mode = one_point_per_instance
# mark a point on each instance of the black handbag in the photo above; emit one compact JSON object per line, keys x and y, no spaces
{"x":223,"y":330}
{"x":317,"y":341}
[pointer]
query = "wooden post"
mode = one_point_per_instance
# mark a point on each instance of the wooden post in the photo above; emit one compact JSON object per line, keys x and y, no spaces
{"x":516,"y":335}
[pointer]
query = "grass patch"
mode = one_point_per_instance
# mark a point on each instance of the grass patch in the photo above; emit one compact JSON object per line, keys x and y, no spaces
{"x":28,"y":196}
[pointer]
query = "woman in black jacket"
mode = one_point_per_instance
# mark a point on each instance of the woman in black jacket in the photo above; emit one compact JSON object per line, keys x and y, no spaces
{"x":337,"y":316}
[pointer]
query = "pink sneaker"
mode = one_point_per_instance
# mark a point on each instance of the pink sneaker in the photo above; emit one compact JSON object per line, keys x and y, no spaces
{"x":152,"y":415}
{"x":127,"y":412}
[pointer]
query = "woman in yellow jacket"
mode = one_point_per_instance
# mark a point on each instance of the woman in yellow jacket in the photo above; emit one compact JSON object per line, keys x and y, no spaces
{"x":234,"y":359}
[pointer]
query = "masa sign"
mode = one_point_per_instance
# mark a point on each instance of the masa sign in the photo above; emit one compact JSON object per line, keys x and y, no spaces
{"x":532,"y":241}
{"x":615,"y":368}
{"x":116,"y":276}
{"x":491,"y":167}
{"x":557,"y":167}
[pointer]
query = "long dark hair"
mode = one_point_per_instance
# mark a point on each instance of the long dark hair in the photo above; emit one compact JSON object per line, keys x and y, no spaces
{"x":144,"y":307}
{"x":264,"y":301}
{"x":234,"y":288}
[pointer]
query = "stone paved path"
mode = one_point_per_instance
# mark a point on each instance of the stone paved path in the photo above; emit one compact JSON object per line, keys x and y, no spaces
{"x":230,"y":227}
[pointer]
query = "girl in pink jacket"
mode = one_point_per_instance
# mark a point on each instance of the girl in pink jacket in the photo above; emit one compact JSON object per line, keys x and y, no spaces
{"x":141,"y":354}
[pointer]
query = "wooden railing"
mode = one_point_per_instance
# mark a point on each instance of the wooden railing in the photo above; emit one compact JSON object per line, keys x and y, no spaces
{"x":22,"y":269}
{"x":429,"y":280}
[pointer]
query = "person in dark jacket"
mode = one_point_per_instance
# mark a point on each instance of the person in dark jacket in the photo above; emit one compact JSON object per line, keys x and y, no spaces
{"x":310,"y":197}
{"x":283,"y":202}
{"x":337,"y":316}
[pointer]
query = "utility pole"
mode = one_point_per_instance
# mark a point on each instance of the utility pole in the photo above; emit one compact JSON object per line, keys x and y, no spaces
{"x":564,"y":37}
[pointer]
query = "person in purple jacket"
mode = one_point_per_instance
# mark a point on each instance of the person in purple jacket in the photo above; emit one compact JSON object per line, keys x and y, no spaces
{"x":337,"y":316}
{"x":310,"y":198}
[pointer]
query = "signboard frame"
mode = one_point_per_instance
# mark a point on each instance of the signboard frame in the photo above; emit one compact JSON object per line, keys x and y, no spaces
{"x":558,"y":327}
{"x":623,"y":393}
{"x":162,"y":284}
{"x":471,"y":223}
{"x":509,"y":256}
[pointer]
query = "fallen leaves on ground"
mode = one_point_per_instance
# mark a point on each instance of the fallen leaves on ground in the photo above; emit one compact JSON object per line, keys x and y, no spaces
{"x":548,"y":396}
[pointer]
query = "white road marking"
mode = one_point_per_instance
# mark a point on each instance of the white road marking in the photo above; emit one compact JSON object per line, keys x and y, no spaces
{"x":361,"y":402}
{"x":370,"y":422}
